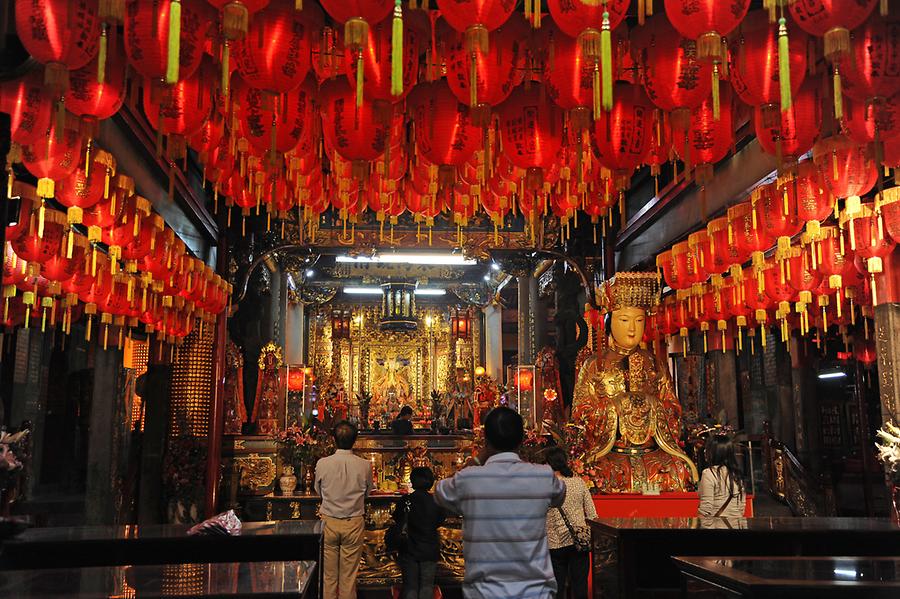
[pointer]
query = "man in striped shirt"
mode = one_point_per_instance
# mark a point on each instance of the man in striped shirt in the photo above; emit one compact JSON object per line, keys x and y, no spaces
{"x":504,"y":505}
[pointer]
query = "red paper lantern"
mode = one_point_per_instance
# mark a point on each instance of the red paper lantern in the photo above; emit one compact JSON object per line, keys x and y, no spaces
{"x":377,"y":61}
{"x":354,"y":133}
{"x":60,"y":34}
{"x":107,"y":211}
{"x":706,"y":21}
{"x":51,"y":158}
{"x":674,"y":78}
{"x":276,"y":54}
{"x":84,"y":188}
{"x":873,"y":67}
{"x":91,"y":99}
{"x":623,"y":135}
{"x":709,"y":138}
{"x":291,"y":116}
{"x":755,"y":62}
{"x":495,"y":72}
{"x":181,"y":110}
{"x":794,"y":130}
{"x":723,"y":252}
{"x":127,"y":229}
{"x":567,"y":72}
{"x":58,"y":267}
{"x":37,"y":247}
{"x":147,"y":36}
{"x":847,"y":169}
{"x":573,"y":18}
{"x":890,"y":210}
{"x":867,"y":121}
{"x":865,"y":231}
{"x":805,"y":193}
{"x":531,"y":129}
{"x":747,"y":229}
{"x":26,"y":102}
{"x":445,"y":134}
{"x":207,"y":139}
{"x":28,"y":202}
{"x":801,"y":274}
{"x":476,"y":18}
{"x":779,"y":215}
{"x":686,"y":270}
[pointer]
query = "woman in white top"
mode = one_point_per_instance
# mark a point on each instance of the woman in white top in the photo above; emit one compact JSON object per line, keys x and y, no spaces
{"x":570,"y":566}
{"x":721,"y":487}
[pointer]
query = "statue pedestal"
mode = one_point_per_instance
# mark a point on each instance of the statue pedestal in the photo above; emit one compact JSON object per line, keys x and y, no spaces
{"x":664,"y":505}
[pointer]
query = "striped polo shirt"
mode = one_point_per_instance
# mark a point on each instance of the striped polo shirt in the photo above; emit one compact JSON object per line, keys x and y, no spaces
{"x":504,"y":506}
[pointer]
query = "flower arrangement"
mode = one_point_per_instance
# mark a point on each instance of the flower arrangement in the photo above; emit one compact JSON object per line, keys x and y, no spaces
{"x":889,"y":450}
{"x":533,"y":446}
{"x":301,"y":444}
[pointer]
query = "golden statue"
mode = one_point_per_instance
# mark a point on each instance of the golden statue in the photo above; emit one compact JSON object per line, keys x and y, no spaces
{"x":626,"y":419}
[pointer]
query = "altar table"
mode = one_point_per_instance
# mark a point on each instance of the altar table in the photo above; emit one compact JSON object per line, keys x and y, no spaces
{"x":632,"y":557}
{"x":787,"y":577}
{"x":664,"y":505}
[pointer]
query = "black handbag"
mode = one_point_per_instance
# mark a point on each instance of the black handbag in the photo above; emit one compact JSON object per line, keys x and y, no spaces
{"x":397,"y":534}
{"x":581,"y":535}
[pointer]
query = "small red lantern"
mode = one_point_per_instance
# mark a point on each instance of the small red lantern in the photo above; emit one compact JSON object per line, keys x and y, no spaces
{"x":532,"y":132}
{"x":874,"y":52}
{"x":296,"y":378}
{"x":277,"y":128}
{"x":623,"y":135}
{"x":755,"y":58}
{"x":675,"y":79}
{"x":805,"y":193}
{"x":376,"y":58}
{"x":460,"y":324}
{"x":847,"y":169}
{"x":524,"y":379}
{"x":723,"y":252}
{"x":86,"y":187}
{"x":51,"y":158}
{"x":445,"y":134}
{"x":709,"y":137}
{"x":794,"y":130}
{"x":354,"y":133}
{"x":878,"y":120}
{"x":26,"y":102}
{"x":94,"y":100}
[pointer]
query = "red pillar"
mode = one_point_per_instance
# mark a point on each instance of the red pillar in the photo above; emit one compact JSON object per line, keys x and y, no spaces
{"x":216,"y":405}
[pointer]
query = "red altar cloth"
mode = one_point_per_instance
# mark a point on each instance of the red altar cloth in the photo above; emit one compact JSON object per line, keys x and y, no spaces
{"x":633,"y":505}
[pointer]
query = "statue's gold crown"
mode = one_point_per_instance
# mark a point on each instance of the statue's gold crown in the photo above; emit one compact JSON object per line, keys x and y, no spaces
{"x":635,"y":289}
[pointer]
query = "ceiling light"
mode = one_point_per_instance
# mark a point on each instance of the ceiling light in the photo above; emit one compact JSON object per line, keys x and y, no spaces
{"x":377,"y":291}
{"x":363,"y":290}
{"x":310,"y":272}
{"x":495,"y":266}
{"x":487,"y":277}
{"x":428,"y":259}
{"x":832,"y":374}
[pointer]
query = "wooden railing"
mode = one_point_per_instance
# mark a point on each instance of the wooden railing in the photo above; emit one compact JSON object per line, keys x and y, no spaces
{"x":791,"y":483}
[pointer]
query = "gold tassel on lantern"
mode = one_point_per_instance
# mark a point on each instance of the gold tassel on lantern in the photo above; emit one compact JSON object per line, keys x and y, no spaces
{"x":397,"y":51}
{"x":174,"y":43}
{"x":784,"y":65}
{"x":838,"y":95}
{"x":606,"y":63}
{"x":101,"y":54}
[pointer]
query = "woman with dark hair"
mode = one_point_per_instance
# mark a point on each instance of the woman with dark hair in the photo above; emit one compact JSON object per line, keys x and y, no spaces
{"x":571,"y":562}
{"x":721,"y":486}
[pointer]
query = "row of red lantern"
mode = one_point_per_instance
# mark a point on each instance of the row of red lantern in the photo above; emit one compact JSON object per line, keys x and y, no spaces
{"x":49,"y":266}
{"x":628,"y":138}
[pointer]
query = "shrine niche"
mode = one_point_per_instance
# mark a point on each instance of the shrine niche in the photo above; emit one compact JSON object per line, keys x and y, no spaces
{"x":394,"y":367}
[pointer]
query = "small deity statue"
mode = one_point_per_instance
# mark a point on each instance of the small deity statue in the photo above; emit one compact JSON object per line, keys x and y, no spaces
{"x":486,"y":397}
{"x":269,"y":391}
{"x":625,"y":415}
{"x":235,"y":410}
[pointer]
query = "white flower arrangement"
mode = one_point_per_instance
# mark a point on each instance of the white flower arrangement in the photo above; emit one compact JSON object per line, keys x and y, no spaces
{"x":889,"y":450}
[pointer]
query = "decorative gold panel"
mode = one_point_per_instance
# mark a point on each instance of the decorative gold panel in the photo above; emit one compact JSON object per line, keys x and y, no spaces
{"x":192,"y":378}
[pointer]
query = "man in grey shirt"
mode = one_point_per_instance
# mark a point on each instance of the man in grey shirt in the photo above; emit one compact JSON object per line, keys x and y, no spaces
{"x":504,"y":505}
{"x":344,"y":481}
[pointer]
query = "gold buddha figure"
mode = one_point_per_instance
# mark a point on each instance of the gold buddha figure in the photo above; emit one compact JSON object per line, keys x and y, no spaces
{"x":626,"y":420}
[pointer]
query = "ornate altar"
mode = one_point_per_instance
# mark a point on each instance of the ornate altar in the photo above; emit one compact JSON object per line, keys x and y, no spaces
{"x":251,"y":467}
{"x":395,"y":367}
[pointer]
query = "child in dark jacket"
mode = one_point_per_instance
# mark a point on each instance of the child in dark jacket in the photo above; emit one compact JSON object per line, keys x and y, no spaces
{"x":419,"y":555}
